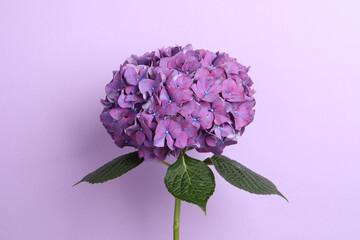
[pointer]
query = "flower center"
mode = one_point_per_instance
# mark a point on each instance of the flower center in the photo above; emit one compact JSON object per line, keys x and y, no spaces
{"x":206,"y":92}
{"x":153,"y":88}
{"x":235,"y":111}
{"x":138,"y":79}
{"x":170,"y":101}
{"x":211,"y":110}
{"x":167,"y":132}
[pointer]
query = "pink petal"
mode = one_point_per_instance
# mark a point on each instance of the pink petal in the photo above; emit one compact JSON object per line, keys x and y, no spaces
{"x":123,"y":103}
{"x":174,"y":129}
{"x":179,"y":60}
{"x":217,"y":132}
{"x":181,"y":140}
{"x":116,"y":113}
{"x":185,"y":82}
{"x":132,"y":130}
{"x":146,"y":86}
{"x":164,"y":62}
{"x":161,"y":153}
{"x":188,"y":108}
{"x":230,"y":68}
{"x":244,"y":116}
{"x":131,"y":76}
{"x":207,"y":61}
{"x":227,"y":131}
{"x":170,"y":108}
{"x":170,"y":142}
{"x":218,"y":73}
{"x":201,"y":73}
{"x":159,"y":140}
{"x":196,"y":90}
{"x":148,"y":118}
{"x":176,"y":94}
{"x":191,"y":64}
{"x":211,"y":141}
{"x":227,"y":85}
{"x":220,"y":118}
{"x":140,"y":137}
{"x":203,"y":84}
{"x":212,"y":94}
{"x":206,"y":120}
{"x":215,"y":89}
{"x":130,"y":90}
{"x":164,"y":96}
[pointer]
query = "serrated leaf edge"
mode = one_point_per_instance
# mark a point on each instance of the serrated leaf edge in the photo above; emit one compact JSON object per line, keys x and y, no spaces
{"x":216,"y":157}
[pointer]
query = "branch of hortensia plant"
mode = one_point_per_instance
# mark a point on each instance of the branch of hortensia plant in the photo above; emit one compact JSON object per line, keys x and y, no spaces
{"x":177,"y":207}
{"x":189,"y":179}
{"x":183,"y":183}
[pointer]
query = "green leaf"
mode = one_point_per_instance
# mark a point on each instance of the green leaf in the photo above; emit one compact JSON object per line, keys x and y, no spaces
{"x":113,"y":169}
{"x":208,"y":161}
{"x":242,"y":177}
{"x":190,"y":180}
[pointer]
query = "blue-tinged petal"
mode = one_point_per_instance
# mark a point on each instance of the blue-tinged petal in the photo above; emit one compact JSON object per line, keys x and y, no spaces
{"x":140,"y":137}
{"x":170,"y":142}
{"x":147,"y":87}
{"x":131,"y":76}
{"x":159,"y":138}
{"x":188,"y":108}
{"x":181,"y":140}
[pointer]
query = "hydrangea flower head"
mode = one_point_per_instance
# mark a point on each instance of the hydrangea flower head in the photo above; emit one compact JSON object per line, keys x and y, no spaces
{"x":177,"y":98}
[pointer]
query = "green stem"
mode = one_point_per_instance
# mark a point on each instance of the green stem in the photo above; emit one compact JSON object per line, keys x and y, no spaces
{"x":177,"y":207}
{"x":165,"y":163}
{"x":177,"y":218}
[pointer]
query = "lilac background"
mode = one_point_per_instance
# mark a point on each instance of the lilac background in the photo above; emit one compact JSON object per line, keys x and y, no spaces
{"x":57,"y":56}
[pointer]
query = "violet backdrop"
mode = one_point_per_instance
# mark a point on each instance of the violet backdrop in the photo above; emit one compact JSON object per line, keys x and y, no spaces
{"x":57,"y":56}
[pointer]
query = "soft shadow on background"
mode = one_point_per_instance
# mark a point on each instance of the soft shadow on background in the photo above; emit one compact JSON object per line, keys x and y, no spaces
{"x":56,"y":58}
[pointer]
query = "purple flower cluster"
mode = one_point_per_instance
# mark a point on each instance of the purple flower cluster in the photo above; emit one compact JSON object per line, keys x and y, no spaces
{"x":178,"y":98}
